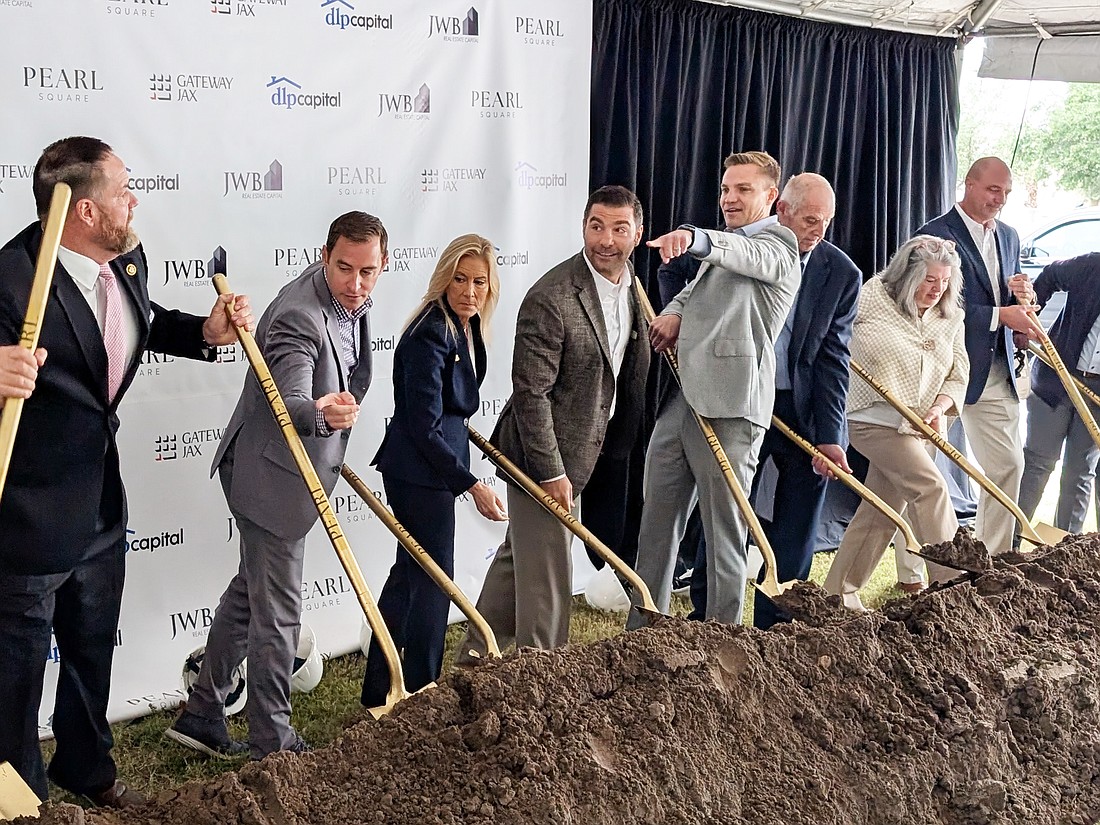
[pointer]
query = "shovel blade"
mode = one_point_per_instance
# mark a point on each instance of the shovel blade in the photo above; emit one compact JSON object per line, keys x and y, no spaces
{"x":644,"y":617}
{"x":1048,"y":533}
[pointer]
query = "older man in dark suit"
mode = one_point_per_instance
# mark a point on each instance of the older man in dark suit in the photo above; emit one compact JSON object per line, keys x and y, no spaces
{"x":315,"y":337}
{"x":63,"y":512}
{"x":1051,"y":418}
{"x":811,"y":380}
{"x":997,"y":302}
{"x":580,"y":359}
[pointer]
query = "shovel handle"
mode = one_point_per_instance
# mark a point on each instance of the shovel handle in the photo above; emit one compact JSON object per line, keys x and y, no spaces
{"x":1054,"y":360}
{"x":860,"y":489}
{"x":945,"y":446}
{"x":1086,"y":391}
{"x":770,"y":585}
{"x":36,"y":312}
{"x":340,"y":544}
{"x":551,"y":504}
{"x":434,"y":571}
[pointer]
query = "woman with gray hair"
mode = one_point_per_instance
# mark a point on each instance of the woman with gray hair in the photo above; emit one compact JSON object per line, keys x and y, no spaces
{"x":908,"y":333}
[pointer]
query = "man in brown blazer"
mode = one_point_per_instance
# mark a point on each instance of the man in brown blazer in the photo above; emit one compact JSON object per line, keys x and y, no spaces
{"x":580,"y":360}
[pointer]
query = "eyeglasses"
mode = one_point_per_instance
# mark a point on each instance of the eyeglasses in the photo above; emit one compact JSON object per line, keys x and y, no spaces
{"x":934,"y":245}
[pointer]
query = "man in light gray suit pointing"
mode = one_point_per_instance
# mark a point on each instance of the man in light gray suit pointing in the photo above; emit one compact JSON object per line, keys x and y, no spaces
{"x":315,"y":338}
{"x":723,"y":325}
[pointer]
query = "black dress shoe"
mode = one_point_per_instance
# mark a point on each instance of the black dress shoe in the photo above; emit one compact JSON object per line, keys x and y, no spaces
{"x":118,"y":795}
{"x":206,"y":736}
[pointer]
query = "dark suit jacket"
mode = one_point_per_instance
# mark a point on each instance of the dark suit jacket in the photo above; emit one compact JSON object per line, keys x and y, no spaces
{"x":300,"y":340}
{"x":64,"y":476}
{"x":435,"y":391}
{"x":1080,"y":278}
{"x":978,"y":295}
{"x":562,"y":383}
{"x":818,"y":352}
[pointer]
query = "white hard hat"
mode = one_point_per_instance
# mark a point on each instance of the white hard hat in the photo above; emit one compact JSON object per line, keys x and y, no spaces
{"x":605,"y":592}
{"x":238,"y":696}
{"x":307,"y":662}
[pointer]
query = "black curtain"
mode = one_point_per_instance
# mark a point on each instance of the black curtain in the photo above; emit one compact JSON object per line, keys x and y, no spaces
{"x":677,"y":85}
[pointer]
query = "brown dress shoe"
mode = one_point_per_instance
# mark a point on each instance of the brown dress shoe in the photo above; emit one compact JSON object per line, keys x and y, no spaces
{"x":119,"y":795}
{"x":911,"y":587}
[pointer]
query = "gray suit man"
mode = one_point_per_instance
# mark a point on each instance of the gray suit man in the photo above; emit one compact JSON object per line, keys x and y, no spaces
{"x":315,"y":337}
{"x":724,"y":325}
{"x":580,"y":359}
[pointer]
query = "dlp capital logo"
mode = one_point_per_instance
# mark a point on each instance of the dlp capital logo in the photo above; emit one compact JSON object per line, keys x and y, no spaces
{"x":342,"y":15}
{"x":14,"y":171}
{"x":455,"y":29}
{"x":287,"y":94}
{"x":493,"y":104}
{"x":62,"y":85}
{"x":194,"y":271}
{"x":136,"y":543}
{"x":262,"y":185}
{"x":153,"y":183}
{"x":185,"y":88}
{"x":241,"y":8}
{"x":135,"y":8}
{"x":529,"y":177}
{"x":406,"y":106}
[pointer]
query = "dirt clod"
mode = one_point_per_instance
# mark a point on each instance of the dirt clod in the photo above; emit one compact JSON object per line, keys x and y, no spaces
{"x":977,"y":703}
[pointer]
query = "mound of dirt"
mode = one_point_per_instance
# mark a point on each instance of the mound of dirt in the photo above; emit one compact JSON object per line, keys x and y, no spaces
{"x":964,"y":552}
{"x":974,"y":703}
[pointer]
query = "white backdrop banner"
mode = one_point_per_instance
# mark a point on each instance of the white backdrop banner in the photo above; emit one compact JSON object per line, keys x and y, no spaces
{"x":247,"y":126}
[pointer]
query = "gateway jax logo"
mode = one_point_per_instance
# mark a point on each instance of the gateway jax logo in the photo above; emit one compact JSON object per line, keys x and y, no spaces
{"x":342,"y":15}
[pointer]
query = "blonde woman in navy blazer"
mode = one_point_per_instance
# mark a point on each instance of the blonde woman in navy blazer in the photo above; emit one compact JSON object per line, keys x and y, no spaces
{"x":424,"y":459}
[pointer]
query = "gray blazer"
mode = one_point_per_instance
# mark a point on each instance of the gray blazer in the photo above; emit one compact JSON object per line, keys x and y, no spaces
{"x":562,"y":383}
{"x":731,"y":315}
{"x":300,"y":341}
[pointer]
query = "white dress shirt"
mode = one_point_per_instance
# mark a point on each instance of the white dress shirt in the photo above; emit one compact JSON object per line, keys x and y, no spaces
{"x":617,"y":317}
{"x":85,"y":274}
{"x":985,"y":238}
{"x":1090,"y":350}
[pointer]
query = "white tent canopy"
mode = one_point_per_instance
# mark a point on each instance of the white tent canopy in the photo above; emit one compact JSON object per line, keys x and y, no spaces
{"x":1066,"y":33}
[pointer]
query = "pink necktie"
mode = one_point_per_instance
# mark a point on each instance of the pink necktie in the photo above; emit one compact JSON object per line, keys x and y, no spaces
{"x":113,"y":339}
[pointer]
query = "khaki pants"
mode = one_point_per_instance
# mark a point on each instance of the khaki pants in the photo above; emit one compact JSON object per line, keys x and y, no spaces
{"x":904,"y":475}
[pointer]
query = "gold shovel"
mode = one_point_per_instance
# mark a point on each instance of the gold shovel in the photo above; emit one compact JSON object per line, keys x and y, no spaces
{"x":1040,"y":353}
{"x":770,"y":586}
{"x":36,"y":312}
{"x":340,"y":544}
{"x":1054,"y":361}
{"x":552,"y":506}
{"x":1038,"y":535}
{"x":434,"y":571}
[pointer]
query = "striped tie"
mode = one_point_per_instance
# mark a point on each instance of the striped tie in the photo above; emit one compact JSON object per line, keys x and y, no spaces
{"x":113,"y":339}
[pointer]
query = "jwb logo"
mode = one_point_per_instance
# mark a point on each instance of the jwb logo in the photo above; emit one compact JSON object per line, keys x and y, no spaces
{"x":454,"y":26}
{"x":195,"y":272}
{"x":192,"y":621}
{"x":406,"y":105}
{"x":271,"y":181}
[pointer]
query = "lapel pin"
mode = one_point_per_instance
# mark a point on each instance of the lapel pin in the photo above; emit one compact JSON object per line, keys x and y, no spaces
{"x":458,"y":358}
{"x":131,"y":269}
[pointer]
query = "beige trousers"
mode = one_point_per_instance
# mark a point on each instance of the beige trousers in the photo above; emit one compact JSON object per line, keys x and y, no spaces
{"x":904,"y":475}
{"x":992,"y":426}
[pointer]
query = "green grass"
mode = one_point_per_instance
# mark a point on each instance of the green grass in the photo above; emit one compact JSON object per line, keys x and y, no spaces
{"x":151,"y":763}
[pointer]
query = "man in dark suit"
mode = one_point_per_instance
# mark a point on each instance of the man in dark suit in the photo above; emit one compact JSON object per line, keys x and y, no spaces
{"x":315,"y":338}
{"x":63,"y":511}
{"x":997,"y":303}
{"x":580,"y":358}
{"x":1051,"y":417}
{"x":811,"y":380}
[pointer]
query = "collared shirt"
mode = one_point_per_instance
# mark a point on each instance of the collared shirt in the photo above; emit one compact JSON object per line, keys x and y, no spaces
{"x":783,"y":340}
{"x":985,"y":238}
{"x":85,"y":274}
{"x":617,"y":317}
{"x":348,"y":324}
{"x":1090,"y":350}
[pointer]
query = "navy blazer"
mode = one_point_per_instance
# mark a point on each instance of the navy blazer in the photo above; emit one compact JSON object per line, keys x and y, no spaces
{"x":64,"y":497}
{"x":435,"y":391}
{"x":978,"y":295}
{"x":818,"y":353}
{"x":1080,"y":278}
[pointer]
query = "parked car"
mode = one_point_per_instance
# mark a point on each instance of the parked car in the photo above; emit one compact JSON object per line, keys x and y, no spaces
{"x":1072,"y":234}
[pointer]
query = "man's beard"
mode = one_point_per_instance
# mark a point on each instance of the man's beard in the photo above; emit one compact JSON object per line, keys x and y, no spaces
{"x":117,"y":238}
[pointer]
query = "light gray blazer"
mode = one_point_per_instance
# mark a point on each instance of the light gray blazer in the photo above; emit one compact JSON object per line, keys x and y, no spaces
{"x":562,"y":385}
{"x":731,"y":315}
{"x":300,"y":341}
